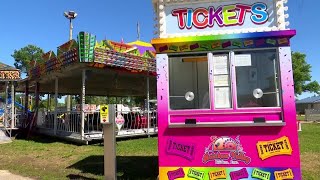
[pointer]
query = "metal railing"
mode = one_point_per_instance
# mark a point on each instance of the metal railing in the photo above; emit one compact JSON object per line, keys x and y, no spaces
{"x":312,"y":115}
{"x":68,"y":121}
{"x":135,"y":123}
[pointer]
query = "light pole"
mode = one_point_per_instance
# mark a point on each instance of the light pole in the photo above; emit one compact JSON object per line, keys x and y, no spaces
{"x":70,"y":15}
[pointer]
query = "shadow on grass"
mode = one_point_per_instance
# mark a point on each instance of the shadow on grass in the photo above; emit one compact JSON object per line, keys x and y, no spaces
{"x":128,"y":167}
{"x":23,"y":134}
{"x":43,"y":138}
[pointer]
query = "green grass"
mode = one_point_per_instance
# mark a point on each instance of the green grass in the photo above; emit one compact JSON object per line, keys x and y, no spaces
{"x":300,"y":118}
{"x":47,"y":158}
{"x":309,"y":139}
{"x":44,"y":158}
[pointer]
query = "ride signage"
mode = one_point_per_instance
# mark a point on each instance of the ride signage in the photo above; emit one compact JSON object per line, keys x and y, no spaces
{"x":104,"y":114}
{"x":9,"y":75}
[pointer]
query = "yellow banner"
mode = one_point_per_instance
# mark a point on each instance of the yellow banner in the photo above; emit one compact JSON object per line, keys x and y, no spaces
{"x":218,"y":174}
{"x":267,"y":149}
{"x":282,"y":175}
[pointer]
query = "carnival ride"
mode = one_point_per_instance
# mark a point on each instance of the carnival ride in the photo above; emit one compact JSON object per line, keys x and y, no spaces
{"x":88,"y":67}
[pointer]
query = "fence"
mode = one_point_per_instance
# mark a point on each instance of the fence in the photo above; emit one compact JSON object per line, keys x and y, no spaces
{"x":135,"y":123}
{"x":312,"y":115}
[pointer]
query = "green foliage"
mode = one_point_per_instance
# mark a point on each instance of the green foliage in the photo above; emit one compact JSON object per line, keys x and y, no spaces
{"x":302,"y":75}
{"x":131,"y":101}
{"x":25,"y":55}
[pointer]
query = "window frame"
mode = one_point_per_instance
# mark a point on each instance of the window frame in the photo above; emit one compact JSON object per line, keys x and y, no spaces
{"x":190,"y":55}
{"x":276,"y":50}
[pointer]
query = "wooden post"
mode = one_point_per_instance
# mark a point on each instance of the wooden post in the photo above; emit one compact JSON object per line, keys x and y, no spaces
{"x":110,"y":159}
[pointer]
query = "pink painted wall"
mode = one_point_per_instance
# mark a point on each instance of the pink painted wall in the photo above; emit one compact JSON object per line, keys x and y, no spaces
{"x":199,"y":138}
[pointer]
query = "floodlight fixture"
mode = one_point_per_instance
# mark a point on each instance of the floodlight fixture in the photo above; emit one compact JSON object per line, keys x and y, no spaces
{"x":70,"y":14}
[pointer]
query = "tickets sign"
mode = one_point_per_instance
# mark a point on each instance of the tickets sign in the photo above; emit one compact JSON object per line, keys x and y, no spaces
{"x":282,"y":175}
{"x":222,"y":15}
{"x":259,"y":174}
{"x":196,"y":174}
{"x":240,"y":174}
{"x":182,"y":149}
{"x":267,"y":149}
{"x":218,"y":174}
{"x":179,"y":173}
{"x":104,"y":114}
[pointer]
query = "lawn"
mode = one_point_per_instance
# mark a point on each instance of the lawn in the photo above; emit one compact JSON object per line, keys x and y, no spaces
{"x":47,"y":158}
{"x":44,"y":158}
{"x":300,"y":118}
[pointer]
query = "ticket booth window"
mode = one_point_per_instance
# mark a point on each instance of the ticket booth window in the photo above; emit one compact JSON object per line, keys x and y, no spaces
{"x":189,"y":83}
{"x":257,"y":79}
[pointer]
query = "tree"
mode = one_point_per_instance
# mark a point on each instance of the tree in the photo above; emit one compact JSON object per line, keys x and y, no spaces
{"x":25,"y":55}
{"x":302,"y":76}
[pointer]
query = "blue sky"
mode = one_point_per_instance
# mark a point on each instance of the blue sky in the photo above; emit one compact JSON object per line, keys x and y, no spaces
{"x":41,"y":22}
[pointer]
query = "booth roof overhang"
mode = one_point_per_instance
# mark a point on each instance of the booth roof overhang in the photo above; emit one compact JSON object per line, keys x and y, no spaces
{"x":99,"y":82}
{"x":111,"y":69}
{"x":220,"y":42}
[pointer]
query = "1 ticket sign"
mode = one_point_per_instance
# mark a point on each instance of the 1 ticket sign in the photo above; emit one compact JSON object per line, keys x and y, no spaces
{"x":104,"y":114}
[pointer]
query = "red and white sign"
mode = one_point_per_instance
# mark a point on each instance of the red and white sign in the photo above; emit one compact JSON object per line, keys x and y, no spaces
{"x":119,"y":121}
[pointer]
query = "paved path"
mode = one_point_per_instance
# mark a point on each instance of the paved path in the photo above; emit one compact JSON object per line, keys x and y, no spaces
{"x":6,"y":175}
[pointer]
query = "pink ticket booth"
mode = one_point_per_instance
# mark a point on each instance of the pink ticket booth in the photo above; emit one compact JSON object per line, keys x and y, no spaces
{"x":226,"y":104}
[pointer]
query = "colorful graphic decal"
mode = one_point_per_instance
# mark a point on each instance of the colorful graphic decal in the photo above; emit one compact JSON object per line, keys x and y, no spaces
{"x":282,"y":175}
{"x":220,"y":42}
{"x":267,"y":149}
{"x":227,"y":15}
{"x":179,"y":173}
{"x":259,"y":174}
{"x":196,"y":174}
{"x":182,"y":149}
{"x":218,"y":45}
{"x":240,"y":174}
{"x":216,"y":173}
{"x":225,"y":150}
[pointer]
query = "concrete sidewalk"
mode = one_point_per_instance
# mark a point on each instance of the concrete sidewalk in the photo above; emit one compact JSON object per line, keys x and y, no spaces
{"x":4,"y":174}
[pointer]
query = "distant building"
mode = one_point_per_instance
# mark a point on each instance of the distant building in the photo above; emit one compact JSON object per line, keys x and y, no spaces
{"x":308,"y":103}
